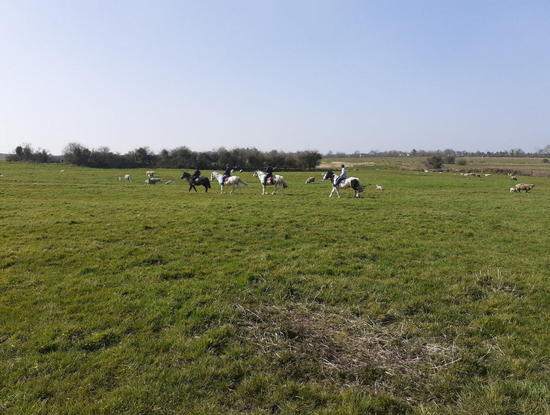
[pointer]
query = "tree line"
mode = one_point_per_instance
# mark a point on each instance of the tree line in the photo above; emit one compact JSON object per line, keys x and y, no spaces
{"x":239,"y":158}
{"x":514,"y":152}
{"x":178,"y":158}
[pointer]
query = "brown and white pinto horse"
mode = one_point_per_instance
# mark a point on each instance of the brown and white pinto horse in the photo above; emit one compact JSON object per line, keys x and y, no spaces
{"x":276,"y":180}
{"x":350,"y":182}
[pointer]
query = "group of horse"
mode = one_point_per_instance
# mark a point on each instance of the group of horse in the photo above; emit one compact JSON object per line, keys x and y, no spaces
{"x":276,"y":180}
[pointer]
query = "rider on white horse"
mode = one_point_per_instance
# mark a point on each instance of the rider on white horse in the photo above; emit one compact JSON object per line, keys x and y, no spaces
{"x":227,"y":173}
{"x":342,"y":176}
{"x":269,"y":174}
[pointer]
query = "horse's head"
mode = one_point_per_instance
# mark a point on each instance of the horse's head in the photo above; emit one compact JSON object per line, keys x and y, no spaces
{"x":185,"y":175}
{"x":256,"y":173}
{"x":328,"y":175}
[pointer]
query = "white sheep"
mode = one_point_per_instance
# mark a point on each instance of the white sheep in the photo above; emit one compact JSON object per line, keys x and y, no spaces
{"x":127,"y":177}
{"x":310,"y":180}
{"x":378,"y":187}
{"x":513,"y":189}
{"x":169,"y":181}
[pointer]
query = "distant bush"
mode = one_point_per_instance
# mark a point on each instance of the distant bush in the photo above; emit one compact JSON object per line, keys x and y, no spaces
{"x":434,"y":162}
{"x":461,"y":162}
{"x":26,"y":153}
{"x":545,"y":160}
{"x":449,"y":159}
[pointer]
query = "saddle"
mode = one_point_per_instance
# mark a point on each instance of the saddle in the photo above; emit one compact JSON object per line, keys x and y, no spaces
{"x":226,"y":179}
{"x":269,"y":180}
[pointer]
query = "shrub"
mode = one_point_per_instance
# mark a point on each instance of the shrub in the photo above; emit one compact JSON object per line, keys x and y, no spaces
{"x":461,"y":162}
{"x":434,"y":162}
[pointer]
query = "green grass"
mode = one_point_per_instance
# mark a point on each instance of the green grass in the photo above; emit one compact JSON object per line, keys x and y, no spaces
{"x":429,"y":297}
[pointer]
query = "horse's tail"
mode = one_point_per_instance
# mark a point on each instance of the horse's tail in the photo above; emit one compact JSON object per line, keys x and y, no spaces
{"x":285,"y":185}
{"x":243,"y":182}
{"x":356,"y":184}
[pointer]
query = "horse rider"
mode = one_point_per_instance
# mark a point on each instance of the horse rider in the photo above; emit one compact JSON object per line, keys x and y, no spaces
{"x":227,"y":173}
{"x":196,"y":175}
{"x":342,"y":176}
{"x":269,"y":174}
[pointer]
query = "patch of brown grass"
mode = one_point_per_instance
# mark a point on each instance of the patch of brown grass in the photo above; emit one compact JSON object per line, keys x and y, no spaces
{"x":343,"y":347}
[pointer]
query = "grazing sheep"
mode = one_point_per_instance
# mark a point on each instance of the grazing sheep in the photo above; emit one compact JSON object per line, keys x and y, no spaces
{"x":150,"y":173}
{"x":487,"y":175}
{"x":356,"y":169}
{"x":127,"y":177}
{"x":523,"y":186}
{"x":152,"y":180}
{"x":513,"y":189}
{"x":62,"y":171}
{"x":119,"y":179}
{"x":169,"y":181}
{"x":513,"y":178}
{"x":241,"y":170}
{"x":310,"y":180}
{"x":378,"y":187}
{"x":478,"y":175}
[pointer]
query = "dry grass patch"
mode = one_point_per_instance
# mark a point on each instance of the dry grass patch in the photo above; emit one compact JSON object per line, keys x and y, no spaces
{"x":342,"y":348}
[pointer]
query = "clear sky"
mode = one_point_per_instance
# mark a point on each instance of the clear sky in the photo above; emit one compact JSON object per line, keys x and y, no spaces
{"x":284,"y":75}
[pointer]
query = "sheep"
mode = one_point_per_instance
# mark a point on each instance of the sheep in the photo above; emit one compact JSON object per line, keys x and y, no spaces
{"x":150,"y":173}
{"x":487,"y":175}
{"x":62,"y":171}
{"x":127,"y":177}
{"x":119,"y":178}
{"x":169,"y":181}
{"x":310,"y":180}
{"x":513,"y":189}
{"x":523,"y":186}
{"x":378,"y":187}
{"x":152,"y":180}
{"x":513,"y":178}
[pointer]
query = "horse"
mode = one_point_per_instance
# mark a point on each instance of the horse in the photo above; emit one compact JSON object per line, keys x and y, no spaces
{"x":350,"y":182}
{"x":229,"y":181}
{"x":200,"y":181}
{"x":276,"y":180}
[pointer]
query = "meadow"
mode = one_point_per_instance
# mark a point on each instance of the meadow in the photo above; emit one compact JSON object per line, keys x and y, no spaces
{"x":429,"y":297}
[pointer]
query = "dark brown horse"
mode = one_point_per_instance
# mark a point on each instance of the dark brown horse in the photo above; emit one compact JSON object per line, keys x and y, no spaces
{"x":199,"y":181}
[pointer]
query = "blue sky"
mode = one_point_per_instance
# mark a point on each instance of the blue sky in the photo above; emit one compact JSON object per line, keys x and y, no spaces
{"x":284,"y":75}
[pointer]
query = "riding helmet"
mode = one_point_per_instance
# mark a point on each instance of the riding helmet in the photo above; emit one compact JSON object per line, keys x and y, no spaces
{"x":342,"y":165}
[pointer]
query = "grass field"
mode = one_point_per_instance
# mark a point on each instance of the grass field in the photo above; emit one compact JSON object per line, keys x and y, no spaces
{"x":429,"y":297}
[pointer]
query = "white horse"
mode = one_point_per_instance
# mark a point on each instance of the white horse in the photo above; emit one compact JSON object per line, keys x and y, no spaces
{"x":230,"y":181}
{"x":276,"y":180}
{"x":350,"y":182}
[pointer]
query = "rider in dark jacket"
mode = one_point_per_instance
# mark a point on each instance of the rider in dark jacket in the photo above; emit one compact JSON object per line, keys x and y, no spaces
{"x":269,"y":174}
{"x":227,"y":173}
{"x":196,"y":175}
